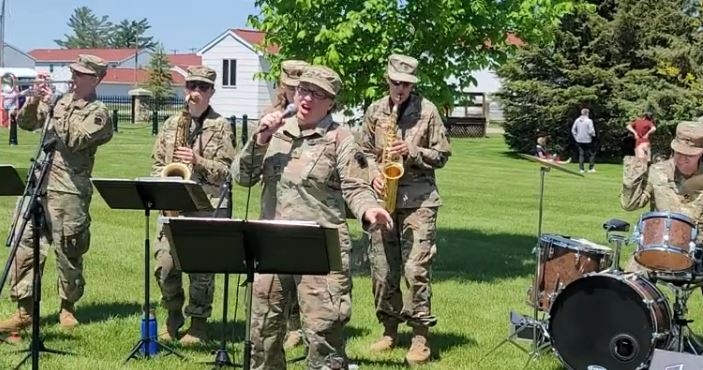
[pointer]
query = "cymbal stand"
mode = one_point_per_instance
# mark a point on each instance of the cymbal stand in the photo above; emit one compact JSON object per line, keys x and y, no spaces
{"x":540,"y":342}
{"x":615,"y":263}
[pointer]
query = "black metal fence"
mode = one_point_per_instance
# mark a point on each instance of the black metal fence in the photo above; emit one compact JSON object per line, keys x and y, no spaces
{"x":127,"y":112}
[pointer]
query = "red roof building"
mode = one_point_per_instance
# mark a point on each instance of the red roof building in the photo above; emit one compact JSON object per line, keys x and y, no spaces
{"x":126,"y":76}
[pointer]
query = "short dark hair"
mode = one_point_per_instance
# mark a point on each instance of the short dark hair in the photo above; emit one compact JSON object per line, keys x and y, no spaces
{"x":648,"y":115}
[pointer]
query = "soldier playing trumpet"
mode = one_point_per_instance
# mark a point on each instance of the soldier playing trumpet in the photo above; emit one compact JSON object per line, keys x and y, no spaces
{"x":80,"y":124}
{"x":205,"y":154}
{"x":404,"y":124}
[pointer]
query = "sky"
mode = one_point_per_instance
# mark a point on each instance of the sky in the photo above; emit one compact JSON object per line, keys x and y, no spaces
{"x":180,"y":25}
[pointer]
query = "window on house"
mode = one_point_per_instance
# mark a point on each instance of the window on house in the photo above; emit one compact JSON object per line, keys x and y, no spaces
{"x":229,"y":72}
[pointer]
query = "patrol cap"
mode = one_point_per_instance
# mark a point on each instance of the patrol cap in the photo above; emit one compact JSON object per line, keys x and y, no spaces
{"x":291,"y":71}
{"x":90,"y":65}
{"x":202,"y":74}
{"x":689,"y":138}
{"x":402,"y":68}
{"x":322,"y":77}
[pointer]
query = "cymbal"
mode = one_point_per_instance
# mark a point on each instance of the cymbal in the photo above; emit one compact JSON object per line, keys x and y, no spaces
{"x":549,"y":163}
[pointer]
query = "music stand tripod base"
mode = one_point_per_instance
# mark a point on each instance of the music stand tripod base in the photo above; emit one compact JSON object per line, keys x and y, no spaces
{"x":151,"y":194}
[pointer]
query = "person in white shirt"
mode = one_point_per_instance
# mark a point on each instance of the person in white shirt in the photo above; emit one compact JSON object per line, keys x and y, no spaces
{"x":583,"y":133}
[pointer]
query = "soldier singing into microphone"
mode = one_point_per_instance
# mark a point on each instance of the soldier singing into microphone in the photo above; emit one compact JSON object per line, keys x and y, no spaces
{"x":410,"y":247}
{"x":209,"y":152}
{"x":80,"y":124}
{"x":310,"y":168}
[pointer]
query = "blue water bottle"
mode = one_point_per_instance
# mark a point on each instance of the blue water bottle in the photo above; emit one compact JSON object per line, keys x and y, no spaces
{"x":153,"y":327}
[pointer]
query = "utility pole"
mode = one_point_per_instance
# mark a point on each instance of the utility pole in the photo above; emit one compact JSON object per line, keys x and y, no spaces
{"x":2,"y":36}
{"x":136,"y":59}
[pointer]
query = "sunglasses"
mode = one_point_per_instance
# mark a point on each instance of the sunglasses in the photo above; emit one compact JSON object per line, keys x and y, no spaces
{"x":202,"y":86}
{"x":316,"y":94}
{"x":399,"y":83}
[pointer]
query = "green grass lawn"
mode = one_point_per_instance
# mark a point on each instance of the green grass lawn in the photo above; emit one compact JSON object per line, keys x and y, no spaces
{"x":487,"y":230}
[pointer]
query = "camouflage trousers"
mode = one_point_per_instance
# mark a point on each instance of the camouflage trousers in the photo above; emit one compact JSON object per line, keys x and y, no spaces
{"x":201,"y":288}
{"x":68,"y":230}
{"x":325,"y":308}
{"x":408,"y":250}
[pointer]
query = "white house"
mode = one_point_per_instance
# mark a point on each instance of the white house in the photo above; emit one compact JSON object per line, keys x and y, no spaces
{"x":16,"y":58}
{"x":233,"y":55}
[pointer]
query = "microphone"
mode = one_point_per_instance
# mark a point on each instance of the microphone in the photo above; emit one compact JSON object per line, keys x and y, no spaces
{"x":290,"y":111}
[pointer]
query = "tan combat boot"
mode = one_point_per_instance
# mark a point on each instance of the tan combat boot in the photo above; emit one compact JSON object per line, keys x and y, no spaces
{"x":174,"y":321}
{"x":67,"y":316}
{"x":20,"y":319}
{"x":388,"y":341}
{"x":197,"y":333}
{"x":419,"y":352}
{"x":293,"y":339}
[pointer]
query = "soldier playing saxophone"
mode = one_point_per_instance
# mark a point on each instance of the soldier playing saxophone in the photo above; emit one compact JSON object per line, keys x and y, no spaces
{"x":417,"y":135}
{"x":207,"y":153}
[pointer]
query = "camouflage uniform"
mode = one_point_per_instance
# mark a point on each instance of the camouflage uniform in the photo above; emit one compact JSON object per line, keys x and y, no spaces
{"x":80,"y":127}
{"x":411,"y":246}
{"x":661,"y":184}
{"x":307,"y":175}
{"x":290,"y":74}
{"x":211,"y":138}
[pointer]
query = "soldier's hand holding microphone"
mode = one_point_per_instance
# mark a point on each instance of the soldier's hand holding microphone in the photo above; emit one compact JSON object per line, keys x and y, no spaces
{"x":271,"y":122}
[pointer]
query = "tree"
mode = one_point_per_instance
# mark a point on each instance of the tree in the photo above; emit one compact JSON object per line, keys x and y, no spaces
{"x":126,"y":33}
{"x":89,"y":31}
{"x":355,"y":37}
{"x":159,"y":82}
{"x":620,"y":60}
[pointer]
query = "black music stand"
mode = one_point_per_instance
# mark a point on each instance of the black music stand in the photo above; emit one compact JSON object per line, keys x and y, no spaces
{"x":36,"y":214}
{"x":152,"y":194}
{"x":265,"y":247}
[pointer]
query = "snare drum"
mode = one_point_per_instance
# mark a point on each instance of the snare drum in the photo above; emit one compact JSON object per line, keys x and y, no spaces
{"x":564,"y":260}
{"x":666,"y":241}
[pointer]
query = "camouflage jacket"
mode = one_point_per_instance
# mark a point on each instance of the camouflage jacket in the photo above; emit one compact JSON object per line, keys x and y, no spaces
{"x":80,"y":127}
{"x":660,"y":185}
{"x":308,"y":175}
{"x":214,"y":143}
{"x":421,"y":127}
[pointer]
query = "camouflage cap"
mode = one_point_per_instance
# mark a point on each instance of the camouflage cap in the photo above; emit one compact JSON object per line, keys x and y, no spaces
{"x":89,"y":64}
{"x":689,"y":138}
{"x":201,"y":73}
{"x":322,"y":77}
{"x":402,"y":68}
{"x":291,"y":71}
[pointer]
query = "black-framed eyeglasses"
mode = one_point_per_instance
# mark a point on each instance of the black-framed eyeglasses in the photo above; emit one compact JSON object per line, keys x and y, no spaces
{"x":316,"y":94}
{"x":197,"y":85}
{"x":399,"y":83}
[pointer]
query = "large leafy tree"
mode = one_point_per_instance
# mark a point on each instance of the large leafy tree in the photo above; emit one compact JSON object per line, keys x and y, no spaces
{"x":159,"y":82}
{"x":355,"y":37}
{"x":624,"y":58}
{"x":89,"y":30}
{"x":128,"y":34}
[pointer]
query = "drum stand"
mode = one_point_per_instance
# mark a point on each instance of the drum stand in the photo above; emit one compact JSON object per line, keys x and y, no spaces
{"x":685,"y":338}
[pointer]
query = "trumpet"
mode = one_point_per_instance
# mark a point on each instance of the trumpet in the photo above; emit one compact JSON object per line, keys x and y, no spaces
{"x":9,"y":82}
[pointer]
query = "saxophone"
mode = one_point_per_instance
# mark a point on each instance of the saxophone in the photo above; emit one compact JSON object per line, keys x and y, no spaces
{"x":176,"y":168}
{"x":391,"y":164}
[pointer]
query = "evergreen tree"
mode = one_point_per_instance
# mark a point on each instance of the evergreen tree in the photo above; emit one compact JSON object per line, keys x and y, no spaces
{"x":619,"y":59}
{"x":128,"y":34}
{"x":159,"y":68}
{"x":89,"y":31}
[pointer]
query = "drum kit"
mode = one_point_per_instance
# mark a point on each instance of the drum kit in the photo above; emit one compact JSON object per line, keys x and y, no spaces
{"x":595,"y":316}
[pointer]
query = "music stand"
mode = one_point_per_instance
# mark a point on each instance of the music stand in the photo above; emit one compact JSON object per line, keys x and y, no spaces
{"x":249,"y":247}
{"x":152,"y":194}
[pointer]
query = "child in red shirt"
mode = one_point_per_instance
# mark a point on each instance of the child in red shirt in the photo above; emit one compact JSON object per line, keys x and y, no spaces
{"x":642,"y":128}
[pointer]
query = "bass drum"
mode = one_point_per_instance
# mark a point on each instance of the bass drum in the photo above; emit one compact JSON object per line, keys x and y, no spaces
{"x":610,"y":322}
